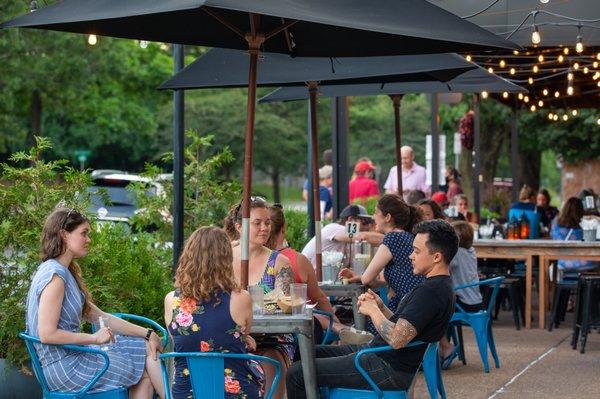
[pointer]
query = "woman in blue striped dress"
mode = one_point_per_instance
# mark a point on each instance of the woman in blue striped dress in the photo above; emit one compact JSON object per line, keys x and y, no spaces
{"x":57,"y":302}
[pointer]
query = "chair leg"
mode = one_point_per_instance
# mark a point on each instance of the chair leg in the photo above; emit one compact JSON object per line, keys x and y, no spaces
{"x":492,"y":345}
{"x":554,"y":312}
{"x":585,"y":322}
{"x":576,"y":321}
{"x":512,"y":298}
{"x":461,"y":348}
{"x":481,"y":335}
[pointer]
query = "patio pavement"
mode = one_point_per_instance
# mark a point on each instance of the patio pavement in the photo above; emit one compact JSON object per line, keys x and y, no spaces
{"x":533,"y":364}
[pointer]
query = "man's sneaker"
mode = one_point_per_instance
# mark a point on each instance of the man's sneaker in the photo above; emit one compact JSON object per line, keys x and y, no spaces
{"x":352,"y":336}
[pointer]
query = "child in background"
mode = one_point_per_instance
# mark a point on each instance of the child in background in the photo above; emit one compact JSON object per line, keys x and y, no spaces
{"x":463,"y":270}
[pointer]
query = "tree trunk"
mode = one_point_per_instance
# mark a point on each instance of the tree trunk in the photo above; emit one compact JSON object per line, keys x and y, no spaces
{"x":276,"y":188}
{"x":530,"y":162}
{"x":465,"y":168}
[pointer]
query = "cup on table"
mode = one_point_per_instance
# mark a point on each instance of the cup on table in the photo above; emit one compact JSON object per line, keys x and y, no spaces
{"x":298,"y":294}
{"x":257,"y":293}
{"x":103,"y":321}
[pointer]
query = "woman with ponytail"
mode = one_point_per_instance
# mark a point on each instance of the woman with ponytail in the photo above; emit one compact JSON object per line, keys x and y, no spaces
{"x":57,"y":302}
{"x":395,"y":220}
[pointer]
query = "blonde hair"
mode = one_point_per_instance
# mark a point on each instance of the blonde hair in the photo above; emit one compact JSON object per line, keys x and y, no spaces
{"x":205,"y":265}
{"x":53,"y":245}
{"x":526,"y":193}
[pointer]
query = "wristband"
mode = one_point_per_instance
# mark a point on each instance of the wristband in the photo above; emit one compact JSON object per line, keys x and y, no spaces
{"x":148,"y":334}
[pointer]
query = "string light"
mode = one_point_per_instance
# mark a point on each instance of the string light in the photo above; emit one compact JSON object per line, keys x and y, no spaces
{"x":545,"y":91}
{"x":484,"y":94}
{"x":596,"y":76}
{"x":536,"y":69}
{"x":570,"y":76}
{"x":540,"y":103}
{"x":598,"y":121}
{"x":585,"y":70}
{"x":502,"y":64}
{"x":598,"y":56}
{"x":505,"y":95}
{"x":565,"y":117}
{"x":555,"y":117}
{"x":491,"y":70}
{"x":532,"y":108}
{"x":520,"y":96}
{"x":536,"y":38}
{"x":579,"y":44}
{"x":550,"y":116}
{"x":598,"y":84}
{"x":595,"y":64}
{"x":561,"y":58}
{"x":143,"y":44}
{"x":541,"y":58}
{"x":92,"y":40}
{"x":468,"y":58}
{"x":544,"y":1}
{"x":530,"y":80}
{"x":526,"y":99}
{"x":512,"y":71}
{"x":570,"y":90}
{"x":556,"y":94}
{"x":574,"y":112}
{"x":576,"y":66}
{"x":566,"y":51}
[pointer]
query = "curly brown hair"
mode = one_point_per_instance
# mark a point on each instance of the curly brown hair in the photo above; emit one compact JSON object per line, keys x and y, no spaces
{"x":205,"y":265}
{"x":52,"y":244}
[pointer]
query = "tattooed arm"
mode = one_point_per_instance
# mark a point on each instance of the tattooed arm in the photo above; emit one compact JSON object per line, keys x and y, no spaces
{"x":284,"y":276}
{"x":398,"y":334}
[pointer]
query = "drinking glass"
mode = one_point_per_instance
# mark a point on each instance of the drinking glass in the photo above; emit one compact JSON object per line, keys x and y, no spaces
{"x":103,"y":322}
{"x":298,"y":293}
{"x":257,"y":293}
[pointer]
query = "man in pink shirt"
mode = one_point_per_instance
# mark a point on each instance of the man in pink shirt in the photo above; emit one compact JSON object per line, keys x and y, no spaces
{"x":362,"y":187}
{"x":414,"y":176}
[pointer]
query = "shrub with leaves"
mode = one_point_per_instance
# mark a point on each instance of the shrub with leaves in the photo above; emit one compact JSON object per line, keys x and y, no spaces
{"x":296,"y":223}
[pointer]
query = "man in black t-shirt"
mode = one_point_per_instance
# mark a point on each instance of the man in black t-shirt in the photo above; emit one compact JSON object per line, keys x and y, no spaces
{"x":422,"y":315}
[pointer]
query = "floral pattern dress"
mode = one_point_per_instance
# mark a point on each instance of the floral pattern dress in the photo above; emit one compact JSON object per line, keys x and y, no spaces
{"x":284,"y":343}
{"x":208,"y":327}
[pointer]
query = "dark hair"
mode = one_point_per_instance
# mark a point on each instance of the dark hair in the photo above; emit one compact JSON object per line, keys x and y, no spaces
{"x":404,"y":216}
{"x":464,"y":231}
{"x":415,"y":196}
{"x":546,"y":194}
{"x":277,"y":224}
{"x":435,"y":208}
{"x":52,"y":244}
{"x":235,"y":216}
{"x":571,"y":213}
{"x":454,"y":173}
{"x":328,"y":157}
{"x":441,"y":237}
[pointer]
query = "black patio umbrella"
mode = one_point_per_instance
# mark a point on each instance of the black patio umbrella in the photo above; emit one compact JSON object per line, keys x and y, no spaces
{"x":297,"y":27}
{"x":221,"y":68}
{"x":473,"y":81}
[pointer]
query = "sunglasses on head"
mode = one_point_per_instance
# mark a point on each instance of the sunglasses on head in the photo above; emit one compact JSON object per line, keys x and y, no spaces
{"x":64,"y":225}
{"x":254,"y":200}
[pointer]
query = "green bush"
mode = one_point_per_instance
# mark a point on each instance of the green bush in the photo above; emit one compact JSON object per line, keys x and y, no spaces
{"x":297,"y":222}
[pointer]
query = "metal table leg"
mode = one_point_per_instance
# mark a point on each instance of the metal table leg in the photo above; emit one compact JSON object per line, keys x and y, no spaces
{"x":306,"y":344}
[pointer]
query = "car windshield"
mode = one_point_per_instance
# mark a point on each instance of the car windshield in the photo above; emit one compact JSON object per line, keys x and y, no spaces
{"x":117,"y":191}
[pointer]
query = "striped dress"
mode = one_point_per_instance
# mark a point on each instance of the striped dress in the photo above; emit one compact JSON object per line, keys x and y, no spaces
{"x":67,"y":370}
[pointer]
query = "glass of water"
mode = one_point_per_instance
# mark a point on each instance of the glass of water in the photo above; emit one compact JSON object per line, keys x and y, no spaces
{"x":103,"y":322}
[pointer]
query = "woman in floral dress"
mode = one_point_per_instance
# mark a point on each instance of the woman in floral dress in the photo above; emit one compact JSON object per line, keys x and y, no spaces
{"x":208,"y":312}
{"x":271,"y":270}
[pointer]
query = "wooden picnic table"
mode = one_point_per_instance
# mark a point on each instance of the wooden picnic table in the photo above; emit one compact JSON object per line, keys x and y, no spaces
{"x":545,"y":250}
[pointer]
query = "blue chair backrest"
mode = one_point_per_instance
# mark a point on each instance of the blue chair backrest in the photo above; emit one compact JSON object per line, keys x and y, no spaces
{"x":532,"y":216}
{"x":207,"y":372}
{"x":494,"y":282}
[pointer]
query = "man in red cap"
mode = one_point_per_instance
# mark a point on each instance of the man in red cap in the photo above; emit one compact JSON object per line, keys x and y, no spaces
{"x":441,"y":199}
{"x":362,"y":187}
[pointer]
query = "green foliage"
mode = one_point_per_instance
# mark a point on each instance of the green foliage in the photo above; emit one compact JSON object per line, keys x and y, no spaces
{"x":116,"y":262}
{"x":207,"y":198}
{"x":296,"y":223}
{"x":27,"y":196}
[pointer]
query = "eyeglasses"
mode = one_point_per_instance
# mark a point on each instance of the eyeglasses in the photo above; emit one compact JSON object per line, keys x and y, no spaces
{"x":278,"y":205}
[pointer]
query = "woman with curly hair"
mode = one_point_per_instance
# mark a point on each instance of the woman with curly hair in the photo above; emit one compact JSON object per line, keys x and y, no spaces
{"x":209,"y":312}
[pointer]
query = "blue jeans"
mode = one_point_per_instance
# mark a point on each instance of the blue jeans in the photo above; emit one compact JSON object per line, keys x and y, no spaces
{"x":335,"y":369}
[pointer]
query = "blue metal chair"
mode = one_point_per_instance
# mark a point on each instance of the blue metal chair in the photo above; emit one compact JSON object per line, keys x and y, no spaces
{"x":207,"y":372}
{"x":480,"y":322}
{"x":120,"y":393}
{"x":431,"y":370}
{"x":329,"y":336}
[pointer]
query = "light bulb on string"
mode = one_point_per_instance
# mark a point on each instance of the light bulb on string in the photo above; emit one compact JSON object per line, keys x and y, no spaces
{"x":544,"y":1}
{"x":491,"y":70}
{"x":526,"y":99}
{"x":555,"y":117}
{"x":92,"y":40}
{"x":596,"y":76}
{"x":574,"y":112}
{"x":540,"y":103}
{"x":586,"y":70}
{"x":520,"y":96}
{"x":595,"y":64}
{"x":566,"y":51}
{"x":576,"y":66}
{"x":561,"y":58}
{"x":550,"y":116}
{"x":502,"y":64}
{"x":536,"y":69}
{"x":541,"y":58}
{"x":512,"y":71}
{"x":565,"y":117}
{"x":536,"y":38}
{"x":598,"y":121}
{"x":556,"y":94}
{"x":579,"y":45}
{"x":532,"y":108}
{"x":598,"y":84}
{"x":143,"y":44}
{"x":516,"y":52}
{"x":570,"y":90}
{"x":484,"y":94}
{"x":598,"y":56}
{"x":468,"y":58}
{"x":570,"y":76}
{"x":505,"y":95}
{"x":545,"y":92}
{"x":530,"y":80}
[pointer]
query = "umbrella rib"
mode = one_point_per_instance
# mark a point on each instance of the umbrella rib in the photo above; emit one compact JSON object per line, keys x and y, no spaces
{"x":222,"y":20}
{"x":288,"y":38}
{"x":280,"y":28}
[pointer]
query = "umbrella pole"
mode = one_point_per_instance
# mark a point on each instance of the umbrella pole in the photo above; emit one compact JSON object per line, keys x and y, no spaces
{"x":254,"y":43}
{"x":396,"y":100}
{"x":312,"y":91}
